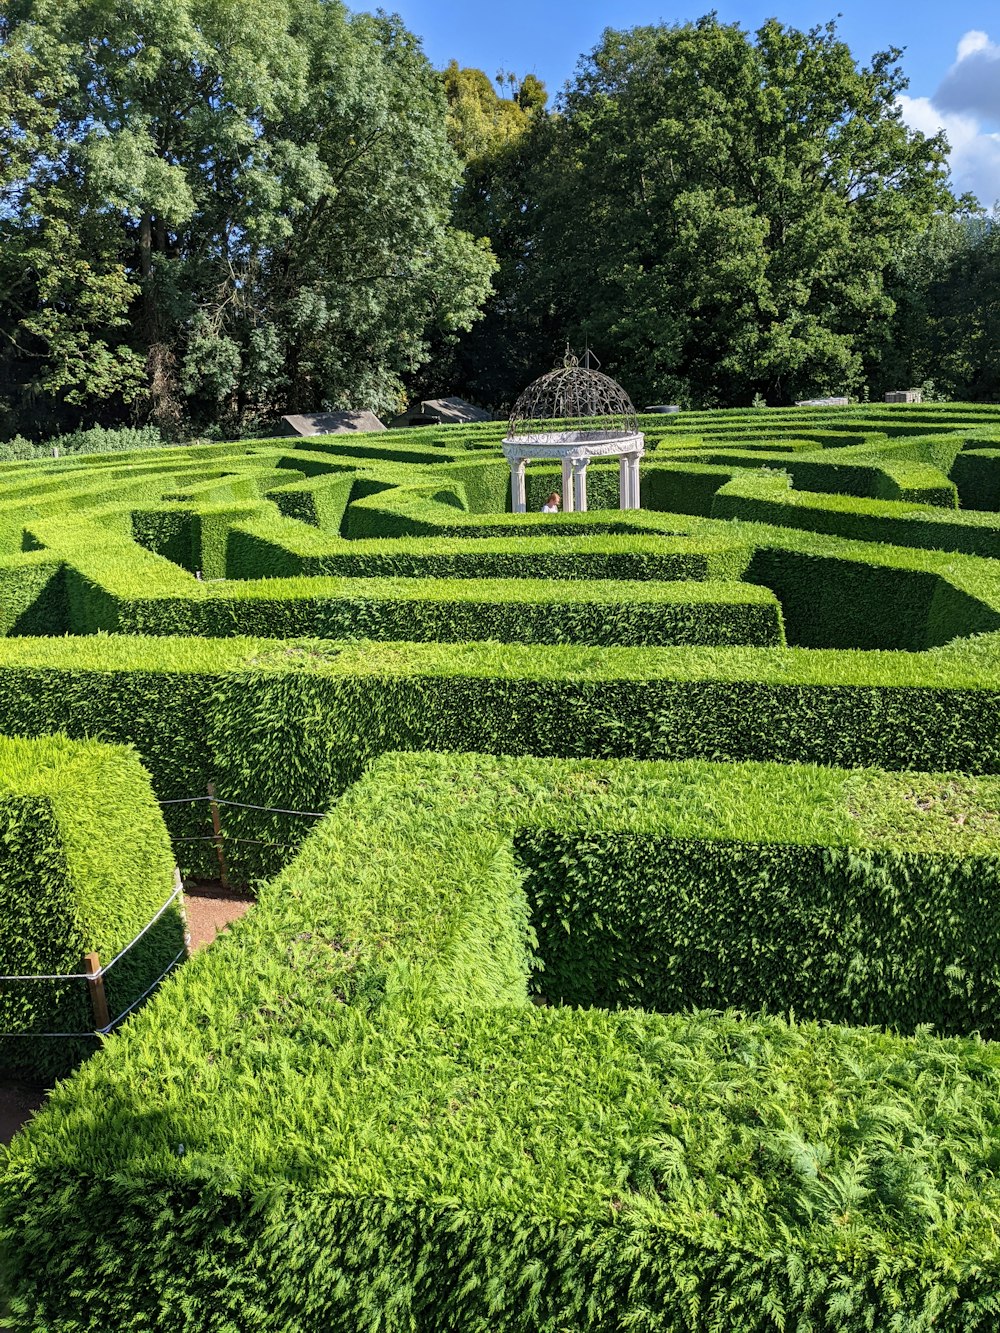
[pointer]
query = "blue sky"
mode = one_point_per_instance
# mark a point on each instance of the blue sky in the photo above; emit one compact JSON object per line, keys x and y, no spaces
{"x":952,"y":52}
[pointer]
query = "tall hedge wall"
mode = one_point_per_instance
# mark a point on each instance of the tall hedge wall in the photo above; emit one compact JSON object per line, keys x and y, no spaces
{"x":891,"y":939}
{"x":449,"y":611}
{"x":291,"y":723}
{"x":347,"y":1115}
{"x":85,"y":864}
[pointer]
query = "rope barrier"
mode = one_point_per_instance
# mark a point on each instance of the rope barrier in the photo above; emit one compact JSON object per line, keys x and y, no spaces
{"x":148,"y":991}
{"x":92,"y":976}
{"x":243,"y":805}
{"x":103,"y":1032}
{"x":101,"y":972}
{"x":176,"y":894}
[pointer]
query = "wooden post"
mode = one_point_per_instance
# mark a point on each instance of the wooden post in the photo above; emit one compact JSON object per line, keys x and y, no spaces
{"x":217,"y":830}
{"x":95,"y":984}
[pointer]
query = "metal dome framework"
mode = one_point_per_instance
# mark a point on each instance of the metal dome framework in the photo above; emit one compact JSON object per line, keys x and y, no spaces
{"x":574,"y":414}
{"x":572,"y":398}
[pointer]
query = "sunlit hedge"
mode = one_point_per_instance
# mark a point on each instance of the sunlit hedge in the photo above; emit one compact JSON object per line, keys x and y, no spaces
{"x":85,"y":865}
{"x":349,"y":1113}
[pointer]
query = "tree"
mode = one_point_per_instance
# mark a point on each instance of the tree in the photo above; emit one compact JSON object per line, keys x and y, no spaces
{"x":945,"y":331}
{"x":499,"y":140}
{"x":63,"y":295}
{"x":717,"y":214}
{"x":261,"y":189}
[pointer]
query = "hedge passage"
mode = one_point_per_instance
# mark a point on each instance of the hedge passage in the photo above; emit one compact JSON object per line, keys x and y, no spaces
{"x":85,"y":865}
{"x":357,"y":1119}
{"x":351,"y":1114}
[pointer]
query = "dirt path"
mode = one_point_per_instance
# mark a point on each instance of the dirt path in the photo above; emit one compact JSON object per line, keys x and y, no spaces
{"x":208,"y":913}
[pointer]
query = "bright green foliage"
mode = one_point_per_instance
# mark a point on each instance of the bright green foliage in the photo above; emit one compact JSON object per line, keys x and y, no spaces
{"x":353,"y":1113}
{"x":769,"y":499}
{"x":482,"y":123}
{"x":438,"y":610}
{"x":293,"y":726}
{"x":349,"y":1114}
{"x":85,"y":864}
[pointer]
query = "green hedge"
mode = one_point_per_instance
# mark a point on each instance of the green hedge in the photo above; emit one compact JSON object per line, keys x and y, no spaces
{"x":322,"y":504}
{"x":857,"y":897}
{"x":290,"y":724}
{"x":976,"y":474}
{"x":33,"y":595}
{"x":453,"y":611}
{"x":85,"y":864}
{"x":347,"y":1114}
{"x":893,"y":939}
{"x":266,"y":549}
{"x":849,"y":603}
{"x":836,"y":593}
{"x":767,"y":499}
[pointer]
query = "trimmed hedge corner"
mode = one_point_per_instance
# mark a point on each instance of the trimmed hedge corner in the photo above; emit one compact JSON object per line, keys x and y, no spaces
{"x":85,"y":864}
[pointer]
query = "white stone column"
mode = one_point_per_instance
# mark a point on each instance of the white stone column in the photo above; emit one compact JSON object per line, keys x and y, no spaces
{"x":624,"y":481}
{"x":580,"y":484}
{"x":518,"y":498}
{"x":636,"y":501}
{"x":567,"y":486}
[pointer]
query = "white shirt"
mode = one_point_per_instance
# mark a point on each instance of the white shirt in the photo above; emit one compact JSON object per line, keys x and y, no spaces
{"x":550,"y":509}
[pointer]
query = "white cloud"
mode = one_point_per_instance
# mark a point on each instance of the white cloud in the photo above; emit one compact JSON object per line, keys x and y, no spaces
{"x":972,"y":42}
{"x":972,"y":85}
{"x":966,"y":106}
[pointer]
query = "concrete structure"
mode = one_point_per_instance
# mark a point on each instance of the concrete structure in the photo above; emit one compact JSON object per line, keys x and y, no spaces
{"x":662,"y":408}
{"x":440,"y":412}
{"x":905,"y":396}
{"x":823,"y":402}
{"x":572,"y":415}
{"x":575,"y":449}
{"x":330,"y":423}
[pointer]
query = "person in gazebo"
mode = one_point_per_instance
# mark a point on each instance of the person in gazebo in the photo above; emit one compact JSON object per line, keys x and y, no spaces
{"x":551,"y":505}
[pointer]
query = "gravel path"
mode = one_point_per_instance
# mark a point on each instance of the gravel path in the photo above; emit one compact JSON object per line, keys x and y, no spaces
{"x":208,"y":912}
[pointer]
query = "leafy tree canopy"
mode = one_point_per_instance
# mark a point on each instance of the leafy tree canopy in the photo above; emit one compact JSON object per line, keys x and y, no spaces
{"x":222,"y":208}
{"x":717,"y":212}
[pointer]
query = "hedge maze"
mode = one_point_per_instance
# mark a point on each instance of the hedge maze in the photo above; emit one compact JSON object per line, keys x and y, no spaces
{"x":645,"y":971}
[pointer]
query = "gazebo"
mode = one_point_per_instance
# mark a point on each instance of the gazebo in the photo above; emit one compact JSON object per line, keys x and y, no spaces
{"x":574,"y":414}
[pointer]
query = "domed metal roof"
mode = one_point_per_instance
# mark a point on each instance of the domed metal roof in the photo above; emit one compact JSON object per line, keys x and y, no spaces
{"x":572,"y":400}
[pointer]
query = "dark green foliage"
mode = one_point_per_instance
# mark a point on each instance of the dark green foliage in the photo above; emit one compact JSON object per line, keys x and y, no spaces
{"x":172,"y":533}
{"x":85,"y":864}
{"x":830,"y":603}
{"x":698,"y":280}
{"x":893,"y":940}
{"x":33,"y":597}
{"x":976,"y":474}
{"x":321,"y":504}
{"x":131,"y":273}
{"x":438,"y":610}
{"x":947,"y":319}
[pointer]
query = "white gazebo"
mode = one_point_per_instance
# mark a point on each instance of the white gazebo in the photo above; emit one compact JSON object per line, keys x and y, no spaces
{"x":572,"y":415}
